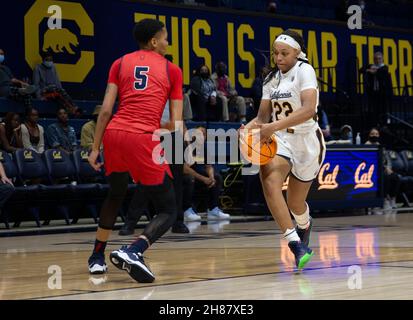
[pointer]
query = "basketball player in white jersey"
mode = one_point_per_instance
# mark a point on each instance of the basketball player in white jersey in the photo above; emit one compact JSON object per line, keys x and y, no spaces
{"x":288,"y":109}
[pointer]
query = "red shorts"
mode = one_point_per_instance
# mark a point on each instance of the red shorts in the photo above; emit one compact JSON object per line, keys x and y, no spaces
{"x":132,"y":152}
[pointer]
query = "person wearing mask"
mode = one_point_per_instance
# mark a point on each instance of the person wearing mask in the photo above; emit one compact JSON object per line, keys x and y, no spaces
{"x":392,"y":180}
{"x":12,"y":88}
{"x":10,"y":133}
{"x":32,"y":132}
{"x":231,"y":101}
{"x":205,"y":104}
{"x":46,"y":79}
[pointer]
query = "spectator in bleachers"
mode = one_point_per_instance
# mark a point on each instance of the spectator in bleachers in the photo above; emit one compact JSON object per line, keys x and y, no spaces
{"x":61,"y":135}
{"x":378,"y":87}
{"x":12,"y":88}
{"x":46,"y":79}
{"x":346,"y":134}
{"x":256,"y":90}
{"x":32,"y":132}
{"x":323,"y":123}
{"x":202,"y":177}
{"x":10,"y":133}
{"x":392,"y":180}
{"x":231,"y":101}
{"x":6,"y":187}
{"x":272,"y":7}
{"x":88,"y":130}
{"x":205,"y":104}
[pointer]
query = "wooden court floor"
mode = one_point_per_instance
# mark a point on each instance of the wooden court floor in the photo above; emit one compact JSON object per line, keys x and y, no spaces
{"x":358,"y":257}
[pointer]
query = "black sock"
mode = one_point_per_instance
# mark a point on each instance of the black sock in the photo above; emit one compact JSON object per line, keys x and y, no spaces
{"x":99,"y":246}
{"x":139,"y":245}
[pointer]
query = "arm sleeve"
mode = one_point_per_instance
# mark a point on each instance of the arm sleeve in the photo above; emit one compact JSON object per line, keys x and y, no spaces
{"x":308,"y":78}
{"x":114,"y":72}
{"x":175,"y":75}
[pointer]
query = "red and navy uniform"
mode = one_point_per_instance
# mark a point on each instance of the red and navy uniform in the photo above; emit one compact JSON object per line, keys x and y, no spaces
{"x":145,"y":81}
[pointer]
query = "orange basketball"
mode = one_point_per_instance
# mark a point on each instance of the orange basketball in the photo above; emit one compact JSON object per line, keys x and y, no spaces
{"x":257,"y":152}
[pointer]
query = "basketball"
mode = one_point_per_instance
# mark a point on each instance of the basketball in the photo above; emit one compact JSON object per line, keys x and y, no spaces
{"x":257,"y":152}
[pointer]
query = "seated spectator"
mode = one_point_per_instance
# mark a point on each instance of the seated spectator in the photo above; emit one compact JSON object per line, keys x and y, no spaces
{"x":10,"y":133}
{"x":60,"y":135}
{"x":323,"y":123}
{"x":201,"y":176}
{"x":12,"y":88}
{"x":205,"y":104}
{"x":88,"y":130}
{"x":346,"y":135}
{"x":6,"y":187}
{"x":231,"y":101}
{"x":32,"y":132}
{"x":48,"y":85}
{"x":392,"y":180}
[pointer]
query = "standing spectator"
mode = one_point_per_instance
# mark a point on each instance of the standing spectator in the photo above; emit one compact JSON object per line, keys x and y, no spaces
{"x":256,"y":90}
{"x":32,"y":132}
{"x":10,"y":133}
{"x":205,"y":104}
{"x":272,"y":7}
{"x":392,"y":181}
{"x":47,"y":81}
{"x":341,"y":10}
{"x":378,"y":88}
{"x":60,"y":135}
{"x":88,"y":130}
{"x":10,"y":87}
{"x":231,"y":101}
{"x":201,"y":176}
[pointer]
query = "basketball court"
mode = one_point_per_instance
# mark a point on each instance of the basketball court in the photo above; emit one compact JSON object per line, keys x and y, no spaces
{"x":358,"y":257}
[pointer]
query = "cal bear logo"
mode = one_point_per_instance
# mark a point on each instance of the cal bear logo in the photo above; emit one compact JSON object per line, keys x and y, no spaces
{"x":59,"y":39}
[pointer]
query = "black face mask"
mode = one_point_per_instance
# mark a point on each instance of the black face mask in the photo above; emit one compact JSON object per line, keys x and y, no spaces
{"x":374,"y":139}
{"x":204,"y":75}
{"x":221,"y":71}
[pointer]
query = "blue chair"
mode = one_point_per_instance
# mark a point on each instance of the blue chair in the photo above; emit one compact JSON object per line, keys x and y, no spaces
{"x":31,"y":170}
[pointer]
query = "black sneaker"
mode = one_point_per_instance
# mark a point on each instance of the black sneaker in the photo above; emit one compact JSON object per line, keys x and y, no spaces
{"x":301,"y":252}
{"x":97,"y":264}
{"x":126,"y":230}
{"x":179,"y":227}
{"x":133,"y":264}
{"x":304,"y":234}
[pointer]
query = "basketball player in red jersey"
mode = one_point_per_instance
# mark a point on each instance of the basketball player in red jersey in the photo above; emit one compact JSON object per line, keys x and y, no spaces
{"x":144,"y":80}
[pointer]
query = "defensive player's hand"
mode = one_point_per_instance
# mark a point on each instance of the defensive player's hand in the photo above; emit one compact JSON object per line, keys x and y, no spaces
{"x":93,"y":157}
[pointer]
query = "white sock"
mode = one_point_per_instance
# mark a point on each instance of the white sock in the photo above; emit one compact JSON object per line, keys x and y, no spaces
{"x":291,"y":235}
{"x":303,"y":220}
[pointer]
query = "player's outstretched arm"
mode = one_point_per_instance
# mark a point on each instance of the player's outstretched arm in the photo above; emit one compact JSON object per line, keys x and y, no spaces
{"x":263,"y":116}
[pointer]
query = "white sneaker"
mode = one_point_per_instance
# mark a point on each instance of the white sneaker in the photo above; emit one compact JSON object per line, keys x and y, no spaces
{"x":190,"y":215}
{"x":387,"y":205}
{"x":217,"y":214}
{"x":393,"y":203}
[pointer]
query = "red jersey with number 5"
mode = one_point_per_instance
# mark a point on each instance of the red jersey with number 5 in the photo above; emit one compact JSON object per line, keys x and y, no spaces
{"x":145,"y":80}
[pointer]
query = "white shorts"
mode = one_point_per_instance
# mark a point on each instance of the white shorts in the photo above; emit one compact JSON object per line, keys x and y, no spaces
{"x":305,"y":151}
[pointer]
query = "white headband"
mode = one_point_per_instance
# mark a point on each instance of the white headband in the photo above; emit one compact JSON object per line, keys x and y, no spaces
{"x":292,"y":43}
